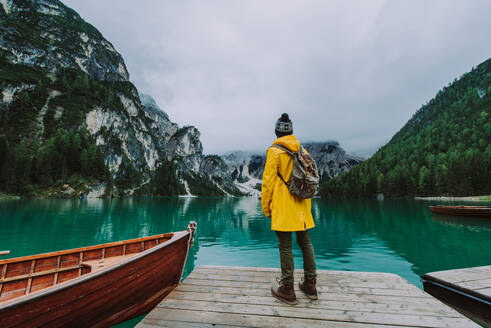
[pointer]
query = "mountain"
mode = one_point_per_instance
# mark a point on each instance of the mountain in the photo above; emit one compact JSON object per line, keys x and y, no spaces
{"x":71,"y":122}
{"x":246,"y":168}
{"x":444,"y":149}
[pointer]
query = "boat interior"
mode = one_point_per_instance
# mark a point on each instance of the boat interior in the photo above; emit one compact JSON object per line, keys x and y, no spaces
{"x":25,"y":275}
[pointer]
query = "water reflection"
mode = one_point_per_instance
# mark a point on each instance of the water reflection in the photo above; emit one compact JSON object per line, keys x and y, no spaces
{"x":463,"y":222}
{"x":391,"y":236}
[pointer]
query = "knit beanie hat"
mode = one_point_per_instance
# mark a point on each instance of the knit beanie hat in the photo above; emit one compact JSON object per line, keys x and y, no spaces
{"x":284,"y":125}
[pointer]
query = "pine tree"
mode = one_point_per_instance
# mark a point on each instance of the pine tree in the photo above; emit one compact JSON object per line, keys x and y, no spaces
{"x":85,"y":164}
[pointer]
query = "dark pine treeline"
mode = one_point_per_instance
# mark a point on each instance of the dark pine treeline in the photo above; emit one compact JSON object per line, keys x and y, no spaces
{"x":165,"y":181}
{"x":444,"y":149}
{"x":67,"y":155}
{"x":39,"y":151}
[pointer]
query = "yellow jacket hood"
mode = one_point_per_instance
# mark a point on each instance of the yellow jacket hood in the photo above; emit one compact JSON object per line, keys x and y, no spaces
{"x":289,"y":142}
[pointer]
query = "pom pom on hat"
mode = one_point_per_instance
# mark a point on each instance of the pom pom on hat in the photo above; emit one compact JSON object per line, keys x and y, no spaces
{"x":284,"y":118}
{"x":284,"y":124}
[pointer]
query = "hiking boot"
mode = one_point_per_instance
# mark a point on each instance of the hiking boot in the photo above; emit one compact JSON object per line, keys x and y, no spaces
{"x":307,"y":285}
{"x":284,"y":292}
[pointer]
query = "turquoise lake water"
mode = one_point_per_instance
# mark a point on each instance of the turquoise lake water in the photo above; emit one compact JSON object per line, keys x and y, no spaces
{"x":397,"y":236}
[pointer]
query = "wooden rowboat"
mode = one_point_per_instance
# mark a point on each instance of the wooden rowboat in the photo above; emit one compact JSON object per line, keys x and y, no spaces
{"x":481,"y":211}
{"x":96,"y":286}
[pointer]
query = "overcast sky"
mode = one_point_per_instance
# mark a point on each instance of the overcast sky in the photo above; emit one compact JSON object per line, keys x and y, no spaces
{"x":354,"y":71}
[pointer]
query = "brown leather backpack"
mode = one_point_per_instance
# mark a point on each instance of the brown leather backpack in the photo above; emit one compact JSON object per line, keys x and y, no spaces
{"x":304,"y":181}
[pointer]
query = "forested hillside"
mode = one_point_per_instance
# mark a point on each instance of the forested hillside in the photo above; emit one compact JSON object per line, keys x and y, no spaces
{"x":41,"y":142}
{"x":444,"y":149}
{"x":71,"y":122}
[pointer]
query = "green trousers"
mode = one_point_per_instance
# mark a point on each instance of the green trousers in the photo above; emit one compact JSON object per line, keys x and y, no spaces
{"x":286,"y":254}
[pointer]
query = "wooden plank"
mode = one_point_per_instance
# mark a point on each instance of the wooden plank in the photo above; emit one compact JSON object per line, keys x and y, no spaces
{"x":40,"y":273}
{"x":460,"y":277}
{"x":345,"y":289}
{"x":476,"y":284}
{"x":247,"y":320}
{"x":269,"y":271}
{"x":340,"y":296}
{"x":321,"y":280}
{"x":322,"y":274}
{"x":299,"y":273}
{"x":97,"y":265}
{"x":394,"y":308}
{"x":181,"y":324}
{"x":4,"y":271}
{"x":262,"y":269}
{"x":485,"y":291}
{"x":466,"y":274}
{"x":319,"y":314}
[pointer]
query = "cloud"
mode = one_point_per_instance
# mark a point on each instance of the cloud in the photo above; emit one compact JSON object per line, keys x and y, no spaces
{"x":354,"y":71}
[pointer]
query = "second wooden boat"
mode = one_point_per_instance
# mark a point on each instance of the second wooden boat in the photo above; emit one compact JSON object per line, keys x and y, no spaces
{"x":461,"y":210}
{"x":96,"y":286}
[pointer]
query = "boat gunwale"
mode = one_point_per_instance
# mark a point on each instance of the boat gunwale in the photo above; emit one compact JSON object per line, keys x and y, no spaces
{"x":78,"y":280}
{"x":85,"y":249}
{"x":462,"y":210}
{"x":477,"y":207}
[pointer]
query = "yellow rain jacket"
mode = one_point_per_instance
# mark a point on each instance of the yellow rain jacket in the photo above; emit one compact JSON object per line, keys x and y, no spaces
{"x":287,"y":212}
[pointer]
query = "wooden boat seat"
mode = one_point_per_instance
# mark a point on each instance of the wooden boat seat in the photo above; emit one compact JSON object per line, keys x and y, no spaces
{"x":23,"y":284}
{"x":97,"y":265}
{"x":84,"y":268}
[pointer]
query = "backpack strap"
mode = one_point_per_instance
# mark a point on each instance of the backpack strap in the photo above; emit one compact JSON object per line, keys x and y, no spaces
{"x":283,"y":148}
{"x":278,"y":174}
{"x":289,"y":153}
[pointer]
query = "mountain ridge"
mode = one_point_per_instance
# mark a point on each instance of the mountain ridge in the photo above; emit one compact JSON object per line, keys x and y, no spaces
{"x":68,"y":106}
{"x":246,"y":167}
{"x":444,"y":149}
{"x":73,"y":125}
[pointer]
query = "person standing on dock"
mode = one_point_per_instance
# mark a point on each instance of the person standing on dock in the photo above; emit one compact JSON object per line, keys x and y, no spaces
{"x":288,"y":213}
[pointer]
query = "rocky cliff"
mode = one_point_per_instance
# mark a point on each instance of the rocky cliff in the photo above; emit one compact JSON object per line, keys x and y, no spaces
{"x":65,"y":94}
{"x":246,"y":169}
{"x":72,"y":124}
{"x":46,"y":35}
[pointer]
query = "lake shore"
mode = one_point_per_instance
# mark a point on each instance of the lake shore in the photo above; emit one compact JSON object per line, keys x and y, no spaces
{"x":484,"y":198}
{"x":8,"y":196}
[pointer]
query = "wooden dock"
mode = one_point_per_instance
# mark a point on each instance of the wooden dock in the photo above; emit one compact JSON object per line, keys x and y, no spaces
{"x":467,"y":290}
{"x":221,"y":296}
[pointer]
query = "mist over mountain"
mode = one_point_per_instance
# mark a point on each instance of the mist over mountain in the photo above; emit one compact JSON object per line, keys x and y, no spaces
{"x":444,"y":149}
